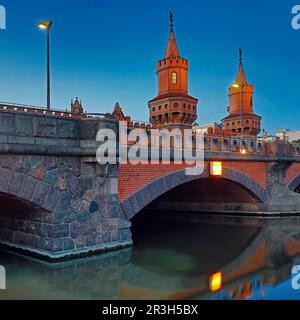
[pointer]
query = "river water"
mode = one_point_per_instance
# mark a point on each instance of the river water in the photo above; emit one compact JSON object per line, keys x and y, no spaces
{"x":173,"y":259}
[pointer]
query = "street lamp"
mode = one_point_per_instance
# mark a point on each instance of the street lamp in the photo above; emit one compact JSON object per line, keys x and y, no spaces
{"x":241,"y":87}
{"x":46,"y":25}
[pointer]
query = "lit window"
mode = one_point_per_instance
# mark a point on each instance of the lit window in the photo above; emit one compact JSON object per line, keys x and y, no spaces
{"x":174,"y":78}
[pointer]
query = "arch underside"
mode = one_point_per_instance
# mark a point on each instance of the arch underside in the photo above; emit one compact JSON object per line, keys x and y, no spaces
{"x":233,"y":185}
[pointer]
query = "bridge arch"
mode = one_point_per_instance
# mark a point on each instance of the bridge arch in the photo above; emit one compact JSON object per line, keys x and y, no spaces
{"x":152,"y":191}
{"x":31,"y":191}
{"x":294,"y":185}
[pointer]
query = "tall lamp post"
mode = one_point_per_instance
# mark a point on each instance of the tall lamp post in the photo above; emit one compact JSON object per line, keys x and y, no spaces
{"x":46,"y":25}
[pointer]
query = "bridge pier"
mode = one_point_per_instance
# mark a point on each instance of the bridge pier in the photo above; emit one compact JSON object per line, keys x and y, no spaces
{"x":56,"y":200}
{"x":280,"y":198}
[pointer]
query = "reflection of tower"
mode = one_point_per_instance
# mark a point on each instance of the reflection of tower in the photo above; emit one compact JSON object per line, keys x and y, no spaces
{"x":76,"y":106}
{"x":241,"y":119}
{"x":173,"y":107}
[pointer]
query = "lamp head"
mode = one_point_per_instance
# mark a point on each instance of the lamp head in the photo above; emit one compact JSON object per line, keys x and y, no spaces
{"x":45,"y":25}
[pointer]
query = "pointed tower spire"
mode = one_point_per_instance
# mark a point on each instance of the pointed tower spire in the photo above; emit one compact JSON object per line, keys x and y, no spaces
{"x":241,"y":121}
{"x":172,"y":49}
{"x":241,"y":77}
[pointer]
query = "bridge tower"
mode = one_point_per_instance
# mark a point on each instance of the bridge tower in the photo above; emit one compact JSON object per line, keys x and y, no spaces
{"x":173,"y":107}
{"x":241,"y":119}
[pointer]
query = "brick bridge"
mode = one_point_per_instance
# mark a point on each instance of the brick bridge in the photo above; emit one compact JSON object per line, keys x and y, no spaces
{"x":57,"y":201}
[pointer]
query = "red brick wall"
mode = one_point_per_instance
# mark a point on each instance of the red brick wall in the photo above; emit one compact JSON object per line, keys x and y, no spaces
{"x":292,"y":173}
{"x":254,"y":170}
{"x":134,"y":177}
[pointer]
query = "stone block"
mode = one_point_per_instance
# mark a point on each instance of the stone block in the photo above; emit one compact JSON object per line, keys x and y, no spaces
{"x":7,"y":123}
{"x":15,"y":183}
{"x":23,"y":125}
{"x":40,"y":193}
{"x":29,"y":187}
{"x":69,"y":244}
{"x":44,"y":127}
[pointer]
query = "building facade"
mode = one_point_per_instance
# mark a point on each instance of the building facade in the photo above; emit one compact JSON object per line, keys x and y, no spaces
{"x":288,"y":135}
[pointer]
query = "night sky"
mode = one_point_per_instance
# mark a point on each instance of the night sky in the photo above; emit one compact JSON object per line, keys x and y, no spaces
{"x":106,"y":51}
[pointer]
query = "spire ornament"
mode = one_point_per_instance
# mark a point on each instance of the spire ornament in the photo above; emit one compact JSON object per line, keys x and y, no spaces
{"x":171,"y":20}
{"x":241,"y":55}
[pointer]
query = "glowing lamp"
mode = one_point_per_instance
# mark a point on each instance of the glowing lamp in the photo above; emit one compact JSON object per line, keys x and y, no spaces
{"x":215,"y":282}
{"x":216,"y":169}
{"x":243,"y":151}
{"x":45,"y":25}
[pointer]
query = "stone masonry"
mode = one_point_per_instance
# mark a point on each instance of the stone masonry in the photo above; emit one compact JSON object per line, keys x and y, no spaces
{"x":56,"y":199}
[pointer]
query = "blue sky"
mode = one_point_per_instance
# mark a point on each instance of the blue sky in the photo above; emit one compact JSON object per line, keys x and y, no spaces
{"x":106,"y":51}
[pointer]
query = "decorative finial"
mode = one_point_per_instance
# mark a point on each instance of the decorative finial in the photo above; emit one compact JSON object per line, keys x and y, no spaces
{"x":171,"y":20}
{"x":241,"y":55}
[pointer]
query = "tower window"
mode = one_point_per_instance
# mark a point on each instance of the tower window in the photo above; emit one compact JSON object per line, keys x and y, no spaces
{"x":159,"y":108}
{"x":174,"y":78}
{"x":176,"y":105}
{"x":153,"y":109}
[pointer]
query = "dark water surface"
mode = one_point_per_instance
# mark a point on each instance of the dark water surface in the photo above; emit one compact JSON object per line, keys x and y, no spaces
{"x":173,"y":260}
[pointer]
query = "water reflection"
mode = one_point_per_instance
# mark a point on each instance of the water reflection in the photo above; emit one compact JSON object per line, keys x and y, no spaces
{"x":172,"y":260}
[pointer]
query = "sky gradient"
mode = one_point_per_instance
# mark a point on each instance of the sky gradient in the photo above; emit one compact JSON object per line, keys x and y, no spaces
{"x":104,"y":51}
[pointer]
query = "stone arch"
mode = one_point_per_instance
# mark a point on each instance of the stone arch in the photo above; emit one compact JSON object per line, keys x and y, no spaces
{"x":294,"y":183}
{"x":36,"y":193}
{"x":140,"y":199}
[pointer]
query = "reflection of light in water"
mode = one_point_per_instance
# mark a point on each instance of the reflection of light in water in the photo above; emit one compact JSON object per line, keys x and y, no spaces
{"x":215,"y":282}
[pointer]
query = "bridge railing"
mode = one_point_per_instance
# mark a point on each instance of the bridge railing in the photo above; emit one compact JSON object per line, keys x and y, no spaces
{"x":216,"y":143}
{"x":26,"y":108}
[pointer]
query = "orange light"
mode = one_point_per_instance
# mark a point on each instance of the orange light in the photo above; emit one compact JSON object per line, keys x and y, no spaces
{"x":243,"y":151}
{"x":216,"y":168}
{"x":215,"y":282}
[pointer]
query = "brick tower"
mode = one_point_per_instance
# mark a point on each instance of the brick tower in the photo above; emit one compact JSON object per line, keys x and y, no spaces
{"x":173,"y":107}
{"x":242,"y":121}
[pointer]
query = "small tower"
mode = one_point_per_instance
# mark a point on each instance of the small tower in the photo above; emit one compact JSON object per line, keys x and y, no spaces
{"x":173,"y":107}
{"x":76,"y":106}
{"x":241,"y":121}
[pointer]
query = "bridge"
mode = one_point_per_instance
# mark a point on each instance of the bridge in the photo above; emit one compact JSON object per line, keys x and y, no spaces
{"x":59,"y":202}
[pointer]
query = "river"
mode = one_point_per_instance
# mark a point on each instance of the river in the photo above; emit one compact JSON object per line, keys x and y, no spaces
{"x":177,"y":258}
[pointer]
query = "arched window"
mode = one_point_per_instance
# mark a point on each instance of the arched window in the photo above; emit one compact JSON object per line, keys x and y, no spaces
{"x":174,"y":78}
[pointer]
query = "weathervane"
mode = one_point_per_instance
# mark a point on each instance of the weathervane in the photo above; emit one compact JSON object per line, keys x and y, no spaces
{"x":171,"y":20}
{"x":241,"y":55}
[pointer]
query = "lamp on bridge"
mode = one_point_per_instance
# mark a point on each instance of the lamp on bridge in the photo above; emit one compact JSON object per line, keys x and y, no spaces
{"x":216,"y":168}
{"x":46,"y":25}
